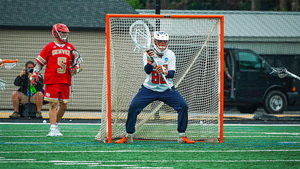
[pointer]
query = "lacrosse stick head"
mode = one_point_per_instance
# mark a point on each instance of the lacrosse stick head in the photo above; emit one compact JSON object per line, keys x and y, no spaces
{"x":140,"y":35}
{"x":160,"y":42}
{"x":8,"y":63}
{"x":281,"y":72}
{"x":9,"y":66}
{"x":77,"y":59}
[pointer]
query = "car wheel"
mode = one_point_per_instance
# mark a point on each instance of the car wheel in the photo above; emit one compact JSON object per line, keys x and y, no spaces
{"x":275,"y":102}
{"x":247,"y":109}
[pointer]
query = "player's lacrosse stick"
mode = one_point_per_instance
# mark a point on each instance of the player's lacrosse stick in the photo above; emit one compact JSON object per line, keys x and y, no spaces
{"x":77,"y":60}
{"x":141,"y":37}
{"x":2,"y":84}
{"x":282,"y":72}
{"x":8,"y":63}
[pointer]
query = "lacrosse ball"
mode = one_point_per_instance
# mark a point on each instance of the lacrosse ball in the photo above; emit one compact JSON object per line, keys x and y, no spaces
{"x":44,"y":121}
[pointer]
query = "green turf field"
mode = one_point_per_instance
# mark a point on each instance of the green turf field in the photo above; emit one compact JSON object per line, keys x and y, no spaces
{"x":245,"y":146}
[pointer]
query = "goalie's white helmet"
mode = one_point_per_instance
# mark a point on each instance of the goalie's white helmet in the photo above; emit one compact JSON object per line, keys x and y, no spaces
{"x":160,"y":42}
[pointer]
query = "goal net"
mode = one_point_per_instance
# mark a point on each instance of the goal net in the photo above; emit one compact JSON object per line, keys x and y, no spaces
{"x":197,"y":42}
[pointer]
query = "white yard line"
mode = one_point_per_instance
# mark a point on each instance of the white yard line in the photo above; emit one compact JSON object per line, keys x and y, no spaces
{"x":150,"y":151}
{"x":136,"y":161}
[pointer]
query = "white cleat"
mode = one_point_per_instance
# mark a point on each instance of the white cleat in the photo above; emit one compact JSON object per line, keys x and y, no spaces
{"x":54,"y":133}
{"x":58,"y":133}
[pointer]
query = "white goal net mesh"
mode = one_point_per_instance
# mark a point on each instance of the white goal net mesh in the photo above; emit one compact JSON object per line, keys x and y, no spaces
{"x":196,"y":43}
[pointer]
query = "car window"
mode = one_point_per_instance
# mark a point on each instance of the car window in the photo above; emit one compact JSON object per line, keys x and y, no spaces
{"x":249,"y":61}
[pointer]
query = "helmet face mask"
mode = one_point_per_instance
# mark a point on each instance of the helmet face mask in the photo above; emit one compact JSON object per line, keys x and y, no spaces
{"x":60,"y":32}
{"x":160,"y":42}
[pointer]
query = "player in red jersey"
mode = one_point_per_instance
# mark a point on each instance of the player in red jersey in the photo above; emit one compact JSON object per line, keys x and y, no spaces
{"x":59,"y":58}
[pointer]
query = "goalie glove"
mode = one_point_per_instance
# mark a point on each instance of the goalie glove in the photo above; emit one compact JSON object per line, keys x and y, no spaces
{"x":34,"y":78}
{"x":150,"y":55}
{"x":162,"y":70}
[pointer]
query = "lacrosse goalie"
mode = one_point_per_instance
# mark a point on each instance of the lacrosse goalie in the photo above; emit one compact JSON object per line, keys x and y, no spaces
{"x":158,"y":62}
{"x":62,"y":62}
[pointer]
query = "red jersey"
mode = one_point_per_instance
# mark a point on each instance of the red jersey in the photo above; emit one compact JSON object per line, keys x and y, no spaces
{"x":58,"y":60}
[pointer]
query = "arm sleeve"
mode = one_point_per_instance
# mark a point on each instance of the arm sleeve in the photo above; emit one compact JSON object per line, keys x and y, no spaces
{"x":148,"y":68}
{"x":38,"y":67}
{"x":171,"y":74}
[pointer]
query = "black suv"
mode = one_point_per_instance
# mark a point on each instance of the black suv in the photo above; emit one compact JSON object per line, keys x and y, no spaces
{"x":252,"y":85}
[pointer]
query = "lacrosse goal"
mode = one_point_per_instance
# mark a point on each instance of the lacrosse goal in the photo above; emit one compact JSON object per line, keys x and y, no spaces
{"x":197,"y":41}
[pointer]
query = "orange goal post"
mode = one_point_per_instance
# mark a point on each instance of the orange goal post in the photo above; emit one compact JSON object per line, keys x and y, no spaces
{"x":198,"y":42}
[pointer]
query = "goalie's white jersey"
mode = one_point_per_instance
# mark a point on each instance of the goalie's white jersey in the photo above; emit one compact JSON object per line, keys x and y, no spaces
{"x":155,"y":81}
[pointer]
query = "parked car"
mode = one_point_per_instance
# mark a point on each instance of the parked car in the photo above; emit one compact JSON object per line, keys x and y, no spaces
{"x":253,"y":85}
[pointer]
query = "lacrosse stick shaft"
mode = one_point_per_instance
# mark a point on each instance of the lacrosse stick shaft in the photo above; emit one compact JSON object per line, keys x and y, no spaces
{"x":72,"y":84}
{"x":293,"y":75}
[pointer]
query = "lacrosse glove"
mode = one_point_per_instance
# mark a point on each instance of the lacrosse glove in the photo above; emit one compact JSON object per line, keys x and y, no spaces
{"x":76,"y":69}
{"x":150,"y":55}
{"x":34,"y":78}
{"x":162,"y":70}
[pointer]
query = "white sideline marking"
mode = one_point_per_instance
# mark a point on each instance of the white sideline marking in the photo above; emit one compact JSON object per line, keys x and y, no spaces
{"x":285,"y":133}
{"x":17,"y":160}
{"x":139,"y":161}
{"x":257,"y":133}
{"x":265,"y":125}
{"x":28,"y":143}
{"x":149,"y":151}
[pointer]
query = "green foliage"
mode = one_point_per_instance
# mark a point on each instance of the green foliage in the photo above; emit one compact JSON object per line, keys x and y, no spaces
{"x":136,"y":4}
{"x":196,"y":5}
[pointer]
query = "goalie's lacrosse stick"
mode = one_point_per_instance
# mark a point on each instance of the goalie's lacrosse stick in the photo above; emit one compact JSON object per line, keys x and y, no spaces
{"x":8,"y":63}
{"x":77,"y":60}
{"x":141,"y":37}
{"x":282,"y":72}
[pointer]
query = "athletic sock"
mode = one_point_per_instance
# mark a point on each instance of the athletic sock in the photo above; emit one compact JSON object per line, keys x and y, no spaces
{"x":52,"y":126}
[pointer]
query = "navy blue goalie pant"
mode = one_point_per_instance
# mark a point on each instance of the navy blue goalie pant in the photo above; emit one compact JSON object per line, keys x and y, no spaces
{"x":146,"y":96}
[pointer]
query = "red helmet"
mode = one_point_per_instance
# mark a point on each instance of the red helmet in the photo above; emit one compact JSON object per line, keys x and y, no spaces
{"x":57,"y":28}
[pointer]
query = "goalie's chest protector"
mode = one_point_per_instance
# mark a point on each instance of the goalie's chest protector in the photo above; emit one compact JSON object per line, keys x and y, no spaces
{"x":154,"y":80}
